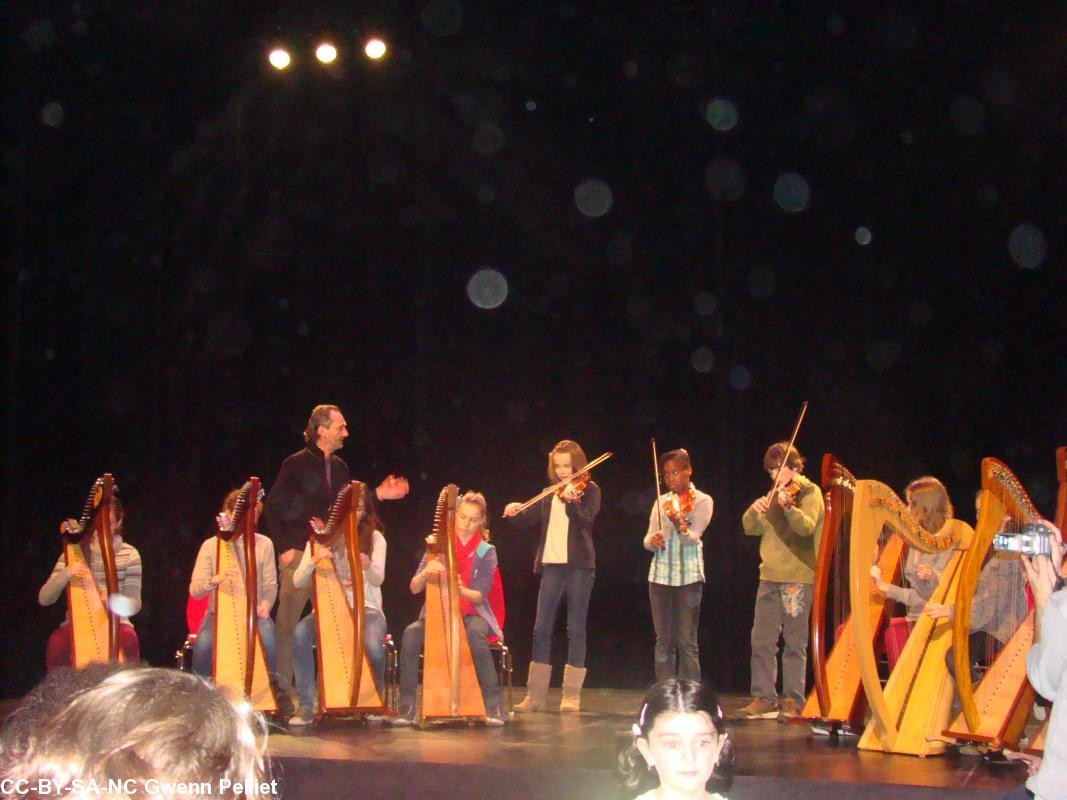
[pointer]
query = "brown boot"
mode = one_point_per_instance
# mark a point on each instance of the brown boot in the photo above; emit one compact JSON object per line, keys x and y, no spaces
{"x":536,"y":688}
{"x":573,"y":678}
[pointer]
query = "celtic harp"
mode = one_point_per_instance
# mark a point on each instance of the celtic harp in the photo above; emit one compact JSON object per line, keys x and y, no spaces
{"x":994,"y":711}
{"x":346,"y":684}
{"x":239,"y":661}
{"x":909,"y":714}
{"x":450,"y":687}
{"x":94,"y":628}
{"x":837,"y":696}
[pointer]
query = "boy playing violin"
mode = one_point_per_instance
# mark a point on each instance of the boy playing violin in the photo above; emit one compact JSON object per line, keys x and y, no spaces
{"x":789,"y":525}
{"x":676,"y":576}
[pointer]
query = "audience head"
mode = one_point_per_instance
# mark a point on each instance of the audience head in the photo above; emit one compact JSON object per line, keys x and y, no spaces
{"x":139,"y":730}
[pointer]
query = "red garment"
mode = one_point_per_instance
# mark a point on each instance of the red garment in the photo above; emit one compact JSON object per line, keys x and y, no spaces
{"x":465,"y":563}
{"x":58,"y":653}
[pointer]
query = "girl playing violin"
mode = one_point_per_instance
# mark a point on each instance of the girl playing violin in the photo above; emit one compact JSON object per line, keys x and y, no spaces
{"x":566,"y":562}
{"x":789,"y":524}
{"x":676,"y":575}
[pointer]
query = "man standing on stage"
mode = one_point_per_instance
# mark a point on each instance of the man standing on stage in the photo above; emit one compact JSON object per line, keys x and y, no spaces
{"x":306,"y":486}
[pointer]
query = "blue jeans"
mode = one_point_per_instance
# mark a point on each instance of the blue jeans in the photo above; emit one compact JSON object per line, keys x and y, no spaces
{"x":578,"y":584}
{"x":478,"y":639}
{"x":204,"y":647}
{"x":304,"y":657}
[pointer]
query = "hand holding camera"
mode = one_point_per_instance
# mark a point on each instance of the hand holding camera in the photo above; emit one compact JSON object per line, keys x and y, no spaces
{"x":1042,"y":570}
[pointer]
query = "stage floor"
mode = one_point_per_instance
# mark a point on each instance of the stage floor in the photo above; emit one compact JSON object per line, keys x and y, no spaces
{"x":772,"y":759}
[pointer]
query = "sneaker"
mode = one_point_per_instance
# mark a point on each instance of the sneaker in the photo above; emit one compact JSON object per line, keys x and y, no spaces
{"x":494,"y":718}
{"x":821,"y":728}
{"x":404,"y":718}
{"x":789,"y":710}
{"x":302,"y":717}
{"x":759,"y":708}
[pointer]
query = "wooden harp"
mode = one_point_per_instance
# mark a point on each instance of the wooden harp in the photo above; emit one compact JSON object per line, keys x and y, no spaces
{"x":239,"y":662}
{"x":910,"y":713}
{"x":837,"y":696}
{"x":994,"y":711}
{"x":1037,"y":746}
{"x":346,"y":684}
{"x":94,"y":628}
{"x":450,"y":688}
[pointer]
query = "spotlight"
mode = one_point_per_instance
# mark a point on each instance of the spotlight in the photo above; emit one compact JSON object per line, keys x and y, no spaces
{"x":279,"y":58}
{"x":326,"y":53}
{"x":374,"y":48}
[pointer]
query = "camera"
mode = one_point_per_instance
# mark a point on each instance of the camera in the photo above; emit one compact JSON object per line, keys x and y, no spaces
{"x":1032,"y":540}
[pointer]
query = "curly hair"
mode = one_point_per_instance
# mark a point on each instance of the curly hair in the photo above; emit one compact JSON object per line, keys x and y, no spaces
{"x":145,"y":727}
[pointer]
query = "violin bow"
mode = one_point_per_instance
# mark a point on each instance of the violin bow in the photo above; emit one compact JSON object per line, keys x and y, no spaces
{"x":788,"y":450}
{"x":659,"y":489}
{"x":598,"y":460}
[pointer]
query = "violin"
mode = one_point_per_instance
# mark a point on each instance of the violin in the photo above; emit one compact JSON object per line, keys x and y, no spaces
{"x":577,"y":485}
{"x":578,"y":482}
{"x":791,"y":490}
{"x":678,"y":507}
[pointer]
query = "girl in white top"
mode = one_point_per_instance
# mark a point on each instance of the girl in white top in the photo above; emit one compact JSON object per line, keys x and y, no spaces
{"x":372,"y":558}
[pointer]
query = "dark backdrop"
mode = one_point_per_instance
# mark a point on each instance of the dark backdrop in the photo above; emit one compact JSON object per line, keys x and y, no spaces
{"x":201,"y":249}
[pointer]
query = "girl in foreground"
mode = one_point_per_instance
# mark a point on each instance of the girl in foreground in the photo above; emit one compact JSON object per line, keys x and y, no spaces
{"x":679,"y":739}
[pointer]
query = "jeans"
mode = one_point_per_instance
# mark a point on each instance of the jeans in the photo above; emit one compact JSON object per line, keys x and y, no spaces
{"x":782,"y":610}
{"x":304,"y":656}
{"x":204,"y":647}
{"x":478,"y":639}
{"x":578,"y":584}
{"x":675,"y":616}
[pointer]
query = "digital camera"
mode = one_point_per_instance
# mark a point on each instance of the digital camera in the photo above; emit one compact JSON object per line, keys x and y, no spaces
{"x":1032,"y":540}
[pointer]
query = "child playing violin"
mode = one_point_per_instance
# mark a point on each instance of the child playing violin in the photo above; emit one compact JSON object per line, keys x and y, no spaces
{"x":566,"y":562}
{"x":789,"y":525}
{"x":676,"y":575}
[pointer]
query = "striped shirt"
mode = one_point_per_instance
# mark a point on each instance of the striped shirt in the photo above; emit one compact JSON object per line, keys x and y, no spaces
{"x":681,"y":561}
{"x":127,"y":569}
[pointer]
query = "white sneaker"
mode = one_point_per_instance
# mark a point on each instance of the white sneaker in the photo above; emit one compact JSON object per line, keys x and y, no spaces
{"x":301,"y":717}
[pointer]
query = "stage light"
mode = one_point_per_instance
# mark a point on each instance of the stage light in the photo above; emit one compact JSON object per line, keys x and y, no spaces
{"x":374,"y":48}
{"x":279,"y":58}
{"x":326,"y":53}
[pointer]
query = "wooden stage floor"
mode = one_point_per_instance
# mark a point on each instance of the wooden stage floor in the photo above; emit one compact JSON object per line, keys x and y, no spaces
{"x":542,"y":749}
